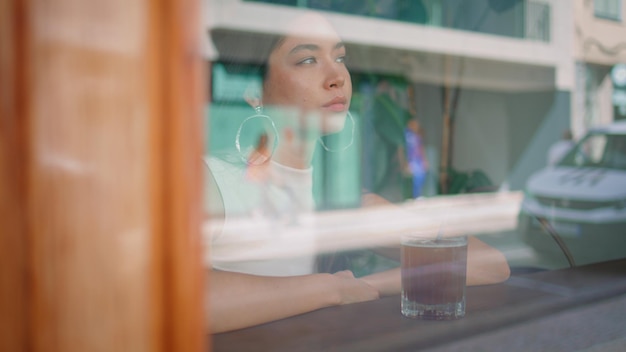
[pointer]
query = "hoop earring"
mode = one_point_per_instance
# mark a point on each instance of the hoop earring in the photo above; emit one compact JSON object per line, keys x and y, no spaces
{"x":258,"y":114}
{"x":347,"y":146}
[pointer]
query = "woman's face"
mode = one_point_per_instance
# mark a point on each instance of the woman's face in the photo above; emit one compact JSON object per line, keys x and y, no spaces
{"x":307,"y":72}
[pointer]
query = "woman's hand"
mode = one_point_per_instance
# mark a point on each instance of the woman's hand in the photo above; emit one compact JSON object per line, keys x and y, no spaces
{"x":353,"y":290}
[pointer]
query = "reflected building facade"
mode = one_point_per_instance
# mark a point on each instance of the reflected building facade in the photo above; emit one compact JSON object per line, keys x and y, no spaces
{"x":492,"y":83}
{"x":599,"y":47}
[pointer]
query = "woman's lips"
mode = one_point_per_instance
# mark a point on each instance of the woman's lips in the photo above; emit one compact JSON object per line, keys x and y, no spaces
{"x":338,"y":104}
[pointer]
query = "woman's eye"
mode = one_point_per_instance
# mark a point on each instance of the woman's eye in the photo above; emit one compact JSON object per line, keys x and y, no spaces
{"x":341,"y":59}
{"x":308,"y":60}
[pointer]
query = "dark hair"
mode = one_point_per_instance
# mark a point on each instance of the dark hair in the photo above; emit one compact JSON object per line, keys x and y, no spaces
{"x":275,"y":42}
{"x":252,"y":52}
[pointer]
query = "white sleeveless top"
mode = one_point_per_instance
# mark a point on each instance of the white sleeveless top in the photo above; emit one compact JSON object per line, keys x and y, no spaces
{"x":260,"y":233}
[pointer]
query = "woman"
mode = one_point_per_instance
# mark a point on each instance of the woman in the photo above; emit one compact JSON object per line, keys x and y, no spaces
{"x":307,"y":91}
{"x":305,"y":94}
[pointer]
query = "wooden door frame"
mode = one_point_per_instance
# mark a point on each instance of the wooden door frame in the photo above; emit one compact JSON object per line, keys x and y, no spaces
{"x":101,"y":128}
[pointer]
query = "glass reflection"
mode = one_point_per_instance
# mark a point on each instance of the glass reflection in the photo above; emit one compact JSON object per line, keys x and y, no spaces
{"x":576,"y":209}
{"x":285,"y":150}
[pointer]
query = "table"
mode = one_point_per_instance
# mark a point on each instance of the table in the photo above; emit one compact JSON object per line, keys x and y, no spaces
{"x":379,"y":326}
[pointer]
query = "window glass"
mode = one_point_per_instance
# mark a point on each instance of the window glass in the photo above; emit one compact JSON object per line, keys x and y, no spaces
{"x":325,"y":144}
{"x":485,"y":119}
{"x":611,"y":9}
{"x":599,"y":150}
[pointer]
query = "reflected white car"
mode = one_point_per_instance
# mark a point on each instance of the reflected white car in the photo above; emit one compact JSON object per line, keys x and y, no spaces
{"x":577,"y":208}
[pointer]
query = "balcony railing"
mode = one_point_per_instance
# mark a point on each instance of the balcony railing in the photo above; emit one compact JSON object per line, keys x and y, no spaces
{"x":523,"y":19}
{"x":537,"y":21}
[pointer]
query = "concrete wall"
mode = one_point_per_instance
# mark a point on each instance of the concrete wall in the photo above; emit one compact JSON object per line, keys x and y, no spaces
{"x":505,"y":135}
{"x":598,"y":40}
{"x":537,"y":120}
{"x":481,"y":134}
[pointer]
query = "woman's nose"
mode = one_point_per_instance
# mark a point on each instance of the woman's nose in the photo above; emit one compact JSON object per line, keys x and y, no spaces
{"x":335,"y":78}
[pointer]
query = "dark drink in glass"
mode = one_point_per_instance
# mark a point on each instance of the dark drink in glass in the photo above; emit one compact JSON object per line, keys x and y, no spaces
{"x":434,"y":277}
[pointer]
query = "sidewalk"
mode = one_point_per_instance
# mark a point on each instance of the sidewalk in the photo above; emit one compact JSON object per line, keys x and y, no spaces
{"x":591,"y":328}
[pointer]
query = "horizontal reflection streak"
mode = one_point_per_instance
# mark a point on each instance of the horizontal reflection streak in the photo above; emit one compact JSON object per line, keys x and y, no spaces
{"x":364,"y":227}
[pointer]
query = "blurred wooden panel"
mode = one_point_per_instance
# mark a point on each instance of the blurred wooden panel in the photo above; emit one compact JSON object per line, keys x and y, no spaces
{"x":14,"y":155}
{"x":100,"y":176}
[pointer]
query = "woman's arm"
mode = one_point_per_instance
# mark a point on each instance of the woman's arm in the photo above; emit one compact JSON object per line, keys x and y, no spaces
{"x":485,"y":265}
{"x":240,"y":300}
